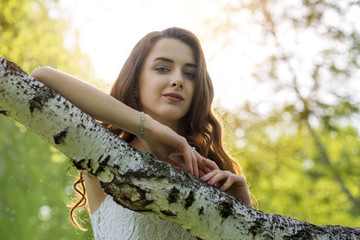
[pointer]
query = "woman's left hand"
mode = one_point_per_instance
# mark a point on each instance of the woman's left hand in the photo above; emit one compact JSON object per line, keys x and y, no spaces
{"x":228,"y":182}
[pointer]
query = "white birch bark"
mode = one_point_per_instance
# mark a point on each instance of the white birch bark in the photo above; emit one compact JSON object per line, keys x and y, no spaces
{"x":137,"y":180}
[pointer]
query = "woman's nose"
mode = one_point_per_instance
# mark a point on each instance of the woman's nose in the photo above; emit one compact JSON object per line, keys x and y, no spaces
{"x":177,"y":84}
{"x":177,"y":80}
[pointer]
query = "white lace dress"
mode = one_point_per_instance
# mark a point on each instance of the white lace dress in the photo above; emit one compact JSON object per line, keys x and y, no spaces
{"x":113,"y":222}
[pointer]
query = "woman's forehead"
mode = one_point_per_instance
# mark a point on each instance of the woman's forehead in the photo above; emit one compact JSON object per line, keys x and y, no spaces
{"x":172,"y":49}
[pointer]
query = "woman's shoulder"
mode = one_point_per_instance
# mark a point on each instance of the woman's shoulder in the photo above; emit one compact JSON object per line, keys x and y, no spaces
{"x":95,"y":194}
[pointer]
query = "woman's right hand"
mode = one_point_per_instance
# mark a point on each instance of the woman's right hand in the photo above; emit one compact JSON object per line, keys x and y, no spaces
{"x":166,"y":145}
{"x":227,"y":181}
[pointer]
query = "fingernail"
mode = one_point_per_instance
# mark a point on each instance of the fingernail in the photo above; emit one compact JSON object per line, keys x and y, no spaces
{"x":202,"y":178}
{"x":209,"y":182}
{"x":222,"y":188}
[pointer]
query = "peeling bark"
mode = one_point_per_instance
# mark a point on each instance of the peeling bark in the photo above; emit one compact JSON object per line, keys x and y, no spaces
{"x":137,"y":180}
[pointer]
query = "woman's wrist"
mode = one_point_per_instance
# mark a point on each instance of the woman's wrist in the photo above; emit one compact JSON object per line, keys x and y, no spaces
{"x":142,"y":118}
{"x":147,"y":126}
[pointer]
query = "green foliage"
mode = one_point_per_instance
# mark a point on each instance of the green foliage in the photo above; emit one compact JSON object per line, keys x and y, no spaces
{"x":287,"y":173}
{"x":301,"y":156}
{"x":35,"y":187}
{"x":30,"y":38}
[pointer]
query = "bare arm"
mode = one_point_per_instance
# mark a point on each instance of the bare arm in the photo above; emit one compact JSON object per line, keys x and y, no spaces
{"x":91,"y":100}
{"x":162,"y":140}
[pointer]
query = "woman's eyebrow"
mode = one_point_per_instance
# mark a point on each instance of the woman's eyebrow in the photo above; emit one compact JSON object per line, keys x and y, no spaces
{"x":171,"y":61}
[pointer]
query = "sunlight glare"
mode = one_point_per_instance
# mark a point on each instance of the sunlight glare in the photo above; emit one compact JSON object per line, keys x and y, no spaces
{"x":108,"y":30}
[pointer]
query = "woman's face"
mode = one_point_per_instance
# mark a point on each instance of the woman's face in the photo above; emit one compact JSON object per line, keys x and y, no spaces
{"x":166,"y":82}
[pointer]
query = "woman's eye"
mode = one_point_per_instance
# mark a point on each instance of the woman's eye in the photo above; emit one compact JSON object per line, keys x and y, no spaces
{"x":162,"y":69}
{"x":189,"y":74}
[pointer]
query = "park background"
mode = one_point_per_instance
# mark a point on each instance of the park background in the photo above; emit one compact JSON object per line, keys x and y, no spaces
{"x":286,"y":76}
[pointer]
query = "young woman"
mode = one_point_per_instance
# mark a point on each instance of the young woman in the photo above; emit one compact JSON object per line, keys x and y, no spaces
{"x":160,"y":103}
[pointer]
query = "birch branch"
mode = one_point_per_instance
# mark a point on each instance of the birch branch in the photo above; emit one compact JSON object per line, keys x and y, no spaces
{"x":137,"y":180}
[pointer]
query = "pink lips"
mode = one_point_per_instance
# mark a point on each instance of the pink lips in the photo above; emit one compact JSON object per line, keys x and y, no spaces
{"x":174,"y":97}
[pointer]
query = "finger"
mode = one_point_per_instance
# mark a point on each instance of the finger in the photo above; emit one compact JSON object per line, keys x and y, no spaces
{"x":210,"y":164}
{"x":205,"y":164}
{"x":202,"y":165}
{"x":188,"y":164}
{"x":229,"y":182}
{"x":207,"y":177}
{"x":187,"y":156}
{"x":220,"y":175}
{"x":195,"y":163}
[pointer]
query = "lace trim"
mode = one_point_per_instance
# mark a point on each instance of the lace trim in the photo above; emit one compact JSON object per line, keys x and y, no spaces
{"x":111,"y":222}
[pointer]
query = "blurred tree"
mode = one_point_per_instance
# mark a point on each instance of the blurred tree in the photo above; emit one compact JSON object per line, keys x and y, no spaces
{"x":33,"y":198}
{"x":286,"y":172}
{"x":301,"y":153}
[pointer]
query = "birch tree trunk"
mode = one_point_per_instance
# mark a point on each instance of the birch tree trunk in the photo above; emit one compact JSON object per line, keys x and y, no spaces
{"x":137,"y":180}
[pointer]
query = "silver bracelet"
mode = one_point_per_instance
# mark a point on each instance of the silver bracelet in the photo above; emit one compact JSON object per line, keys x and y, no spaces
{"x":142,"y":126}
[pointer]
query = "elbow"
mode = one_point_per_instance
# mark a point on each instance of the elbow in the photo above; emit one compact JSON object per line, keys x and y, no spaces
{"x":43,"y":74}
{"x":39,"y":72}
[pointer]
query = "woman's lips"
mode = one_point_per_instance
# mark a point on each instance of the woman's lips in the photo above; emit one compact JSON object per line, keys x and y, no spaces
{"x":174,"y":97}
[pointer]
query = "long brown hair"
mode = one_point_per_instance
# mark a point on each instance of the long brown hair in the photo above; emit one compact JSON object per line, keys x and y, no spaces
{"x":202,"y":128}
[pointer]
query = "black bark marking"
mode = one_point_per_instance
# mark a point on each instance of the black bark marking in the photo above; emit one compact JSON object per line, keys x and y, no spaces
{"x":226,"y":209}
{"x":257,"y":227}
{"x":79,"y":164}
{"x":4,"y":112}
{"x":106,"y":160}
{"x":83,"y":126}
{"x":61,"y":136}
{"x":308,"y":232}
{"x":168,"y":213}
{"x":189,"y":200}
{"x":123,"y":193}
{"x":43,"y":95}
{"x":12,"y":68}
{"x":89,"y":163}
{"x":201,"y":211}
{"x":301,"y":234}
{"x":35,"y":102}
{"x":173,"y":195}
{"x":102,"y":164}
